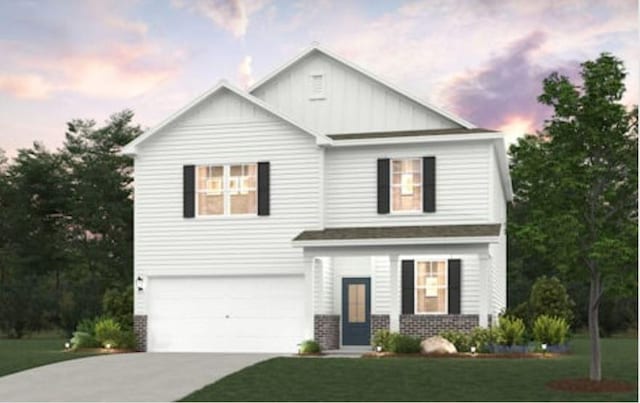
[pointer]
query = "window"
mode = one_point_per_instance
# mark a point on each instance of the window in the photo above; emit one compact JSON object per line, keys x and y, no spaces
{"x":431,"y":286}
{"x":317,"y":85}
{"x":406,"y":185}
{"x":226,"y":189}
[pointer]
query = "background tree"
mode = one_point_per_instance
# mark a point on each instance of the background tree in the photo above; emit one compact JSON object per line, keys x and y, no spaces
{"x":576,"y":198}
{"x":66,"y":222}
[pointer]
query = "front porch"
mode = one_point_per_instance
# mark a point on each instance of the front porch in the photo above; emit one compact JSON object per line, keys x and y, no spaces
{"x":418,"y":281}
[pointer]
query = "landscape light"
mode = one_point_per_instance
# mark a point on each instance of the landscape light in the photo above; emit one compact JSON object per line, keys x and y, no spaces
{"x":67,"y":345}
{"x":473,"y":350}
{"x":108,"y":346}
{"x":544,"y":346}
{"x":379,"y":349}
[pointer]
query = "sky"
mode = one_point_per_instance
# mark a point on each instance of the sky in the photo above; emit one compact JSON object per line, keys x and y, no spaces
{"x":483,"y":60}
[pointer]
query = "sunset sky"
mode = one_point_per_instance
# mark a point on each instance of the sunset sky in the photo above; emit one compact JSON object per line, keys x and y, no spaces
{"x":483,"y":60}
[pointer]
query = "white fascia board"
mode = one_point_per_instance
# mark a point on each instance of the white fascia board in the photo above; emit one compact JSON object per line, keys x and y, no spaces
{"x":435,"y":138}
{"x":503,"y":166}
{"x":130,"y":149}
{"x":456,"y":119}
{"x":396,"y":241}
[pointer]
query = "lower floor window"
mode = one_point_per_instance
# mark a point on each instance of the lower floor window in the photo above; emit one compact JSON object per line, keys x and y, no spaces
{"x":431,"y":286}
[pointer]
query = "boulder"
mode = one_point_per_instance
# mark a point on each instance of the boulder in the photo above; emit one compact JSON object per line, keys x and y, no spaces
{"x":437,"y":345}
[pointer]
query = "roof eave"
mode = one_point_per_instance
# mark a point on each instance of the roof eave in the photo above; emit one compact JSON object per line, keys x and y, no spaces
{"x":436,"y":138}
{"x":323,"y":243}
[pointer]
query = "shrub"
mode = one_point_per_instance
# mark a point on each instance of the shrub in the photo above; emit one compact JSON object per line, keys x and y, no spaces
{"x":118,"y":304}
{"x":482,"y":338}
{"x":403,"y":344}
{"x":382,"y":338}
{"x":461,"y":340}
{"x":108,"y":331}
{"x":309,"y":347}
{"x":83,"y":340}
{"x":519,"y":311}
{"x":550,"y":329}
{"x":127,"y":340}
{"x":549,"y":297}
{"x":510,"y":331}
{"x":87,"y":325}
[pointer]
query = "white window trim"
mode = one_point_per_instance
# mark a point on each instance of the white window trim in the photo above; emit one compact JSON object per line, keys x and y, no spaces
{"x":226,"y":171}
{"x":406,"y":212}
{"x":321,"y":95}
{"x":415,"y":286}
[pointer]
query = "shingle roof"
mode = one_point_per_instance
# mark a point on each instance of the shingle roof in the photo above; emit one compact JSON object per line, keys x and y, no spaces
{"x":408,"y":133}
{"x":424,"y":231}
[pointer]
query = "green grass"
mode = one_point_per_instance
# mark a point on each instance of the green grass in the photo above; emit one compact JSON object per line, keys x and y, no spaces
{"x":18,"y":355}
{"x":419,"y":379}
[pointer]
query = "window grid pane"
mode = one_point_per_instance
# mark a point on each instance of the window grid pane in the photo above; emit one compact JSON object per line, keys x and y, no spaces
{"x":406,"y":185}
{"x":227,"y":189}
{"x":431,"y":287}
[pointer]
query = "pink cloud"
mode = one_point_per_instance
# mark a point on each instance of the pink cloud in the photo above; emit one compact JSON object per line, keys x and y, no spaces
{"x":245,"y":75}
{"x":230,"y":15}
{"x":26,"y":86}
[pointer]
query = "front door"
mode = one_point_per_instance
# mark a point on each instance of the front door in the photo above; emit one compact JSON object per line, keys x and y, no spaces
{"x":356,"y":311}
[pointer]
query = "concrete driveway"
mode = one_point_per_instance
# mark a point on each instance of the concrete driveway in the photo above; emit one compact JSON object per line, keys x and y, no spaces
{"x":123,"y":377}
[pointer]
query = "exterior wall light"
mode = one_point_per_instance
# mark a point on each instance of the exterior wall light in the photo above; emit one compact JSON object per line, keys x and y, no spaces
{"x":140,"y":283}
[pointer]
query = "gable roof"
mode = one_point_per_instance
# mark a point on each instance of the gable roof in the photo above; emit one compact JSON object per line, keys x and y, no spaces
{"x":318,"y":48}
{"x":130,"y":149}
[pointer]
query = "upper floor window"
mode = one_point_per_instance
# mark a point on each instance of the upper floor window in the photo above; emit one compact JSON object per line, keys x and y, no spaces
{"x":226,"y":189}
{"x":406,"y":185}
{"x":431,"y":286}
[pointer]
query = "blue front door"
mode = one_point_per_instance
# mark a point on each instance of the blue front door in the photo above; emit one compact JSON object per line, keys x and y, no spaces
{"x":356,"y":311}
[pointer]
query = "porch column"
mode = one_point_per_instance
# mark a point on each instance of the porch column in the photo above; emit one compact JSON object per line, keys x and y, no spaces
{"x":308,"y":267}
{"x":485,"y":288}
{"x":394,"y":320}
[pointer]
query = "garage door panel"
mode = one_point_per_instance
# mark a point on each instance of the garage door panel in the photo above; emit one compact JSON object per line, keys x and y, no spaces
{"x":218,"y":314}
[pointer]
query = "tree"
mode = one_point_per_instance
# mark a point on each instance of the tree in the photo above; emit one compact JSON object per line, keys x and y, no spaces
{"x":576,"y":186}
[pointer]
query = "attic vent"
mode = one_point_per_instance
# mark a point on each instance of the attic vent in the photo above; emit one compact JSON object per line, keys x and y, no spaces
{"x":317,"y":86}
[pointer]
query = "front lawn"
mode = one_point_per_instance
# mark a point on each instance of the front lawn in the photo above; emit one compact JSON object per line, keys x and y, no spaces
{"x":419,"y":379}
{"x":18,"y":355}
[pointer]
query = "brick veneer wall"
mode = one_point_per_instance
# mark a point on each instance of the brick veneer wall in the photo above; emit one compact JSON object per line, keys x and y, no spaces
{"x":140,"y":331}
{"x":430,"y":325}
{"x":379,"y":322}
{"x":326,"y":331}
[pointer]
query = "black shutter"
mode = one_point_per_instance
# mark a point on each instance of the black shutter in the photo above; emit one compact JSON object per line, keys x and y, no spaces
{"x":429,"y":184}
{"x":454,"y":286}
{"x":383,"y":186}
{"x":263,"y":188}
{"x":189,"y":191}
{"x":408,"y":288}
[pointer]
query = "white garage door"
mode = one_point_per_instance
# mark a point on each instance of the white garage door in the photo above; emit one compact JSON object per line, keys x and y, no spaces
{"x":225,"y":313}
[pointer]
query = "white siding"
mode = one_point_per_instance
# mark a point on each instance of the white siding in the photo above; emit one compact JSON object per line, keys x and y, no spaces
{"x":352,"y":103}
{"x":462,"y":184}
{"x":323,"y":286}
{"x":498,"y":251}
{"x":168,"y":244}
{"x":381,"y":285}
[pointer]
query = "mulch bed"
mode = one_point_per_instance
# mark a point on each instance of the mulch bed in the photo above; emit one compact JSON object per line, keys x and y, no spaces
{"x":582,"y":385}
{"x":464,"y":355}
{"x":102,"y":350}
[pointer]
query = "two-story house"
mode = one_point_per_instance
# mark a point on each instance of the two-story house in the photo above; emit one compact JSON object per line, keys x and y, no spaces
{"x":321,"y":203}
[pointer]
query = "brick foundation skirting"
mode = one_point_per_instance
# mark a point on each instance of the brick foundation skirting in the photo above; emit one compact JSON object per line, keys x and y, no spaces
{"x":140,"y":331}
{"x":326,"y":331}
{"x":379,"y":322}
{"x":424,"y":326}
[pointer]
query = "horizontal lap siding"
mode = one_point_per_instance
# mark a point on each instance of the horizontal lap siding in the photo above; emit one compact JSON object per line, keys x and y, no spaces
{"x":462,"y":185}
{"x":168,"y":244}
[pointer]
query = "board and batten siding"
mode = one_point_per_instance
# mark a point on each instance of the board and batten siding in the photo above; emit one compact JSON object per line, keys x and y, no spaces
{"x":462,"y":184}
{"x":224,"y":130}
{"x":352,"y":102}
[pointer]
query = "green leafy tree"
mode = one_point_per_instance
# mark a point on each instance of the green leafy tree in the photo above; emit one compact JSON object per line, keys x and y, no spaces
{"x":576,"y":187}
{"x":549,"y":297}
